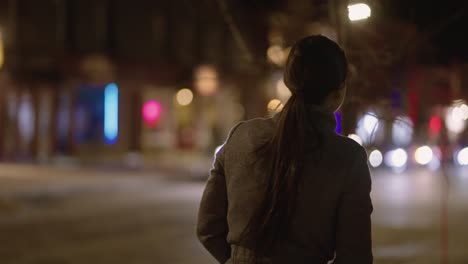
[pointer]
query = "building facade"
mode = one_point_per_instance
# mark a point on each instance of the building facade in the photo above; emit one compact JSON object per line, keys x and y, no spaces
{"x":61,"y":56}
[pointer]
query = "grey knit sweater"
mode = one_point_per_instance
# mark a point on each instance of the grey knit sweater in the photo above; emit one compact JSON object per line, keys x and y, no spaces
{"x":332,"y":216}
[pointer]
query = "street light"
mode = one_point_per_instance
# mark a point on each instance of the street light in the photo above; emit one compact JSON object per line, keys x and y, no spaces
{"x":359,"y":12}
{"x":184,"y":97}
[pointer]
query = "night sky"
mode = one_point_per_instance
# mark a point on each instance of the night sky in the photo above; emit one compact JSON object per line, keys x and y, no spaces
{"x":445,"y":21}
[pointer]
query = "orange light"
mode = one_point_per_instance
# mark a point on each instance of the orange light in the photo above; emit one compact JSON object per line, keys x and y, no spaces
{"x":275,"y":105}
{"x":206,"y":80}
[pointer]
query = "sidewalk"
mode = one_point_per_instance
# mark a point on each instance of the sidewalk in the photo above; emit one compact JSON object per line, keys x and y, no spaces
{"x":70,"y":175}
{"x":175,"y":164}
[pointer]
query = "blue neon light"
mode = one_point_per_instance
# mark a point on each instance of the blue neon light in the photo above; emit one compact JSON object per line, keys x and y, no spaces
{"x":111,"y":113}
{"x":338,"y":118}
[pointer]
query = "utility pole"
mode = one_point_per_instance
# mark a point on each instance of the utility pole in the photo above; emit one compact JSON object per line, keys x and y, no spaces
{"x":338,"y":17}
{"x":337,"y":13}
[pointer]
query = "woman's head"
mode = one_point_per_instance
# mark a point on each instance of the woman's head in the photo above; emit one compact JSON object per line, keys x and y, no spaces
{"x":316,"y":71}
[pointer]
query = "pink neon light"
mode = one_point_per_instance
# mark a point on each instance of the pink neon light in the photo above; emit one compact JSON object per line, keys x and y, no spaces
{"x":151,"y":112}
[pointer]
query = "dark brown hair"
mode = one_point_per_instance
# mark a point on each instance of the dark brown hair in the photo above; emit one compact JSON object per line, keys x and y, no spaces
{"x":316,"y":66}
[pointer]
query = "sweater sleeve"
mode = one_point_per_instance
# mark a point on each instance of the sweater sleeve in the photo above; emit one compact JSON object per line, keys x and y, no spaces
{"x":353,"y":234}
{"x":212,"y":226}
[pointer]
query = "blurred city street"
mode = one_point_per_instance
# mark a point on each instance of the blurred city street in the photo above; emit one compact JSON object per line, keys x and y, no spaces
{"x":111,"y":111}
{"x":66,"y":215}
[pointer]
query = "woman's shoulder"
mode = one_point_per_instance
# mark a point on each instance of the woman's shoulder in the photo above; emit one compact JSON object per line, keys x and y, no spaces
{"x":255,"y":124}
{"x":347,"y":146}
{"x":252,"y":129}
{"x":259,"y":120}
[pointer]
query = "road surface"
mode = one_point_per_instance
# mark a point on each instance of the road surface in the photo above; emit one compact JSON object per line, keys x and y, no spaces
{"x":52,"y":215}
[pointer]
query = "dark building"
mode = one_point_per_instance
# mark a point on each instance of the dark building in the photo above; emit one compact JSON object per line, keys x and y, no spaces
{"x":56,"y":50}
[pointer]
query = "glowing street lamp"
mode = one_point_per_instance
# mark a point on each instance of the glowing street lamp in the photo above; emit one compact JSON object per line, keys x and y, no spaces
{"x":184,"y":97}
{"x":359,"y":12}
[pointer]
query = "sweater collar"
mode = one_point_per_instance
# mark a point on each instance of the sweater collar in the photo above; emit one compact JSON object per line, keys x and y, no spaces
{"x":318,"y":117}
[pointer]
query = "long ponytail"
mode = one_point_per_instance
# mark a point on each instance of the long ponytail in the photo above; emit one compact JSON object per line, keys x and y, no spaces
{"x":315,"y":67}
{"x":285,"y":151}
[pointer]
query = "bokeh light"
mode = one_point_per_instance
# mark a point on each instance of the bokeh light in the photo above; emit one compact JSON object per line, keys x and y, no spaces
{"x":367,"y":127}
{"x":464,"y":111}
{"x":359,"y":12}
{"x":275,"y":105}
{"x":455,"y":119}
{"x":282,"y":90}
{"x":26,"y":119}
{"x":462,"y":157}
{"x":111,"y":113}
{"x":151,"y":113}
{"x":370,"y":123}
{"x":434,"y":164}
{"x":402,"y":131}
{"x":276,"y":55}
{"x":435,"y":124}
{"x":397,"y":158}
{"x":375,"y":158}
{"x":206,"y":80}
{"x":423,"y":155}
{"x":184,"y":97}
